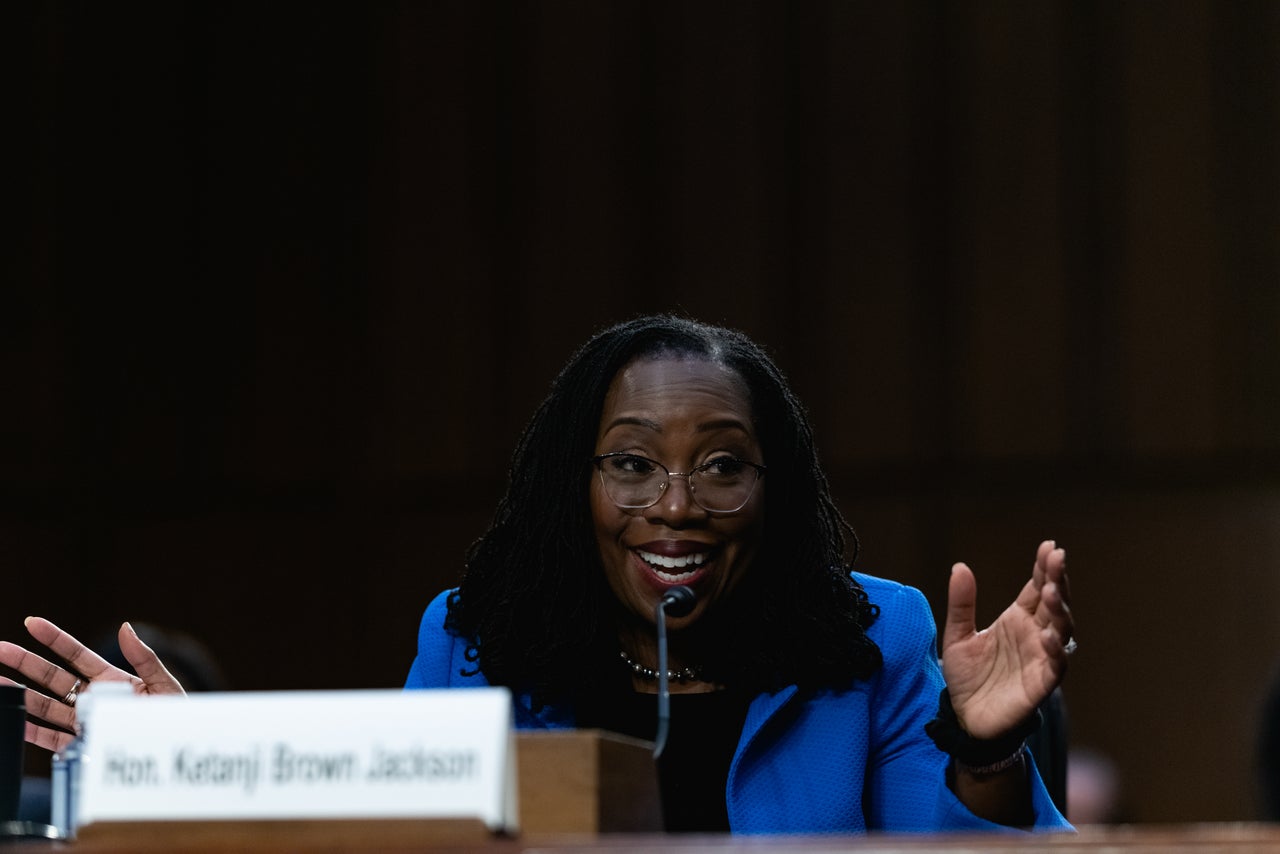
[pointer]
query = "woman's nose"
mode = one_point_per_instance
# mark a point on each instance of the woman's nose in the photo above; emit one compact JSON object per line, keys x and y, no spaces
{"x":677,"y":502}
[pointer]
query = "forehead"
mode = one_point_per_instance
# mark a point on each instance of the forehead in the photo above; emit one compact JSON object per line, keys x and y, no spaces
{"x":674,"y":387}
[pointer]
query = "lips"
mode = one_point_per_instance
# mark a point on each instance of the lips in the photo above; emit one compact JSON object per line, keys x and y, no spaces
{"x":674,"y":569}
{"x":679,"y":562}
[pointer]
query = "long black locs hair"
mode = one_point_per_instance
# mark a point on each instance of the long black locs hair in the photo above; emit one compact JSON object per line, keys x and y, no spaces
{"x":535,"y":605}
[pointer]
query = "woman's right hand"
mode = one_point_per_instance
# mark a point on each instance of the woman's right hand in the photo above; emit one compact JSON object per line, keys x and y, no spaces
{"x":51,"y":719}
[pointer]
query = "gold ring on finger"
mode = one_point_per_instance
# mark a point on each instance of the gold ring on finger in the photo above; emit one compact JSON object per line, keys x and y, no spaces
{"x":70,"y":699}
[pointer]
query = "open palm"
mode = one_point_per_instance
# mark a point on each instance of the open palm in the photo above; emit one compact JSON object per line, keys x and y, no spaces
{"x":997,"y":677}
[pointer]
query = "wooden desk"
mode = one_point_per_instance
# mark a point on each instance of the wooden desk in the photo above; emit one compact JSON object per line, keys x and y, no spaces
{"x":419,"y":837}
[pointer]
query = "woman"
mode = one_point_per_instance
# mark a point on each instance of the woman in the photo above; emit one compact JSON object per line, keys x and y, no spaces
{"x":801,"y":691}
{"x":806,"y":698}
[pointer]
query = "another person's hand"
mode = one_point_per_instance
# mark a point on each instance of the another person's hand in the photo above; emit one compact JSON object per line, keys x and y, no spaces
{"x":81,"y":668}
{"x":999,"y":676}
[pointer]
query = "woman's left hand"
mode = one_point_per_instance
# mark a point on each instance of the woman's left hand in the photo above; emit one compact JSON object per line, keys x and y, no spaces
{"x":52,"y":715}
{"x":999,"y":676}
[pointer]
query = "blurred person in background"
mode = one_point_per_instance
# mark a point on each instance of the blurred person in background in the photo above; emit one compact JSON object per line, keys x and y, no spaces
{"x":1093,"y":787}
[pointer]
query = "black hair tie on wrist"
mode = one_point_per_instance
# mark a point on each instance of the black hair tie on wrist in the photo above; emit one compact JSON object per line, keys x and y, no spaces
{"x":977,"y":754}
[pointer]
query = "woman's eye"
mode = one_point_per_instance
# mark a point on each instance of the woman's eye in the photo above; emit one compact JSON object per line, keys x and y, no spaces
{"x":633,"y":465}
{"x":724,"y":467}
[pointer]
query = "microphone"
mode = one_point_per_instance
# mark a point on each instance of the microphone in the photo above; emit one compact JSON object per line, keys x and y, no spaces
{"x":676,"y":602}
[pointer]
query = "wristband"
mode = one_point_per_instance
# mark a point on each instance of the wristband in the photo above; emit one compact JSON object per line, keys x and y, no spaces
{"x":978,"y":755}
{"x":995,"y":767}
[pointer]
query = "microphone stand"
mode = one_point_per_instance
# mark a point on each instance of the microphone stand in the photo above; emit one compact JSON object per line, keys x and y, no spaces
{"x":664,"y":695}
{"x":682,"y":600}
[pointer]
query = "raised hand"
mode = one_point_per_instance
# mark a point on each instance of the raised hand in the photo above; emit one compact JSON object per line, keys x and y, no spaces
{"x":997,"y":677}
{"x":80,"y":668}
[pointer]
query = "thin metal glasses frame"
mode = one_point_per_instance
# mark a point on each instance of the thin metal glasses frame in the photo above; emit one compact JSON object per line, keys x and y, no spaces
{"x":597,"y":461}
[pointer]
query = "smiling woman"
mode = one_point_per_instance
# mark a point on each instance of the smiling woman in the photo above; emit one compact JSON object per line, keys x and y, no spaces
{"x":807,"y":697}
{"x":671,"y":452}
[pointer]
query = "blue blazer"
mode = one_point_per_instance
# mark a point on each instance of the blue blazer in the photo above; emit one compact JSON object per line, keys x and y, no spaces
{"x":831,"y":761}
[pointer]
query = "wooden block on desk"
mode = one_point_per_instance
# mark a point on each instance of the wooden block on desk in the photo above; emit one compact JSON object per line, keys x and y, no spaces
{"x":571,"y":782}
{"x":327,"y":835}
{"x":586,"y":781}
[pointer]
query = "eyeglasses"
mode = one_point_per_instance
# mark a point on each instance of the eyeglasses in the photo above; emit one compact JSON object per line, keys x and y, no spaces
{"x":633,"y":482}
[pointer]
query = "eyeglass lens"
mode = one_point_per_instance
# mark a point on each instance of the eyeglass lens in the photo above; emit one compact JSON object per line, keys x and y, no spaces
{"x":721,"y":485}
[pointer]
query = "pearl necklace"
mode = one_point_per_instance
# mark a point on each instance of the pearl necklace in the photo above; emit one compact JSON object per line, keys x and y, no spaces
{"x":686,"y":675}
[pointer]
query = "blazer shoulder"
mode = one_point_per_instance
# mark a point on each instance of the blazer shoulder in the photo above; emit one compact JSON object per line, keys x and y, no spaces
{"x":905,"y":627}
{"x":887,"y":593}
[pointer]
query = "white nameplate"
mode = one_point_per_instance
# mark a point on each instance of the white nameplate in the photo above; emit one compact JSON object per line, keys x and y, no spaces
{"x":301,"y":754}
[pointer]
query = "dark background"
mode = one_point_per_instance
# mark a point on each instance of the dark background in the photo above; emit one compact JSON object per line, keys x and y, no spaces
{"x":284,"y":281}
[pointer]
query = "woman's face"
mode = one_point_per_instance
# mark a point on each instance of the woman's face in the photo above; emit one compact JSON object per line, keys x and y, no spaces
{"x":680,"y":412}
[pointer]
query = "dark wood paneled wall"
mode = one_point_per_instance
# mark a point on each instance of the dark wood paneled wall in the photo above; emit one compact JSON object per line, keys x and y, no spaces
{"x":286,"y":281}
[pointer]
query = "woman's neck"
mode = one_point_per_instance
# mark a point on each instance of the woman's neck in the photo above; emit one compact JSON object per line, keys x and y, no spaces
{"x":638,"y":646}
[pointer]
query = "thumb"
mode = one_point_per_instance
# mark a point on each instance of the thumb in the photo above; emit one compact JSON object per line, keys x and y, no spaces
{"x":146,"y":663}
{"x":962,"y":602}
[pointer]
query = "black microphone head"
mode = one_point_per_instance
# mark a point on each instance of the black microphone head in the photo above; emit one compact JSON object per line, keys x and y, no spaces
{"x":678,"y":601}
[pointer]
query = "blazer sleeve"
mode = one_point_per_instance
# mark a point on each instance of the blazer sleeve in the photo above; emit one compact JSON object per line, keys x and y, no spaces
{"x":441,"y":655}
{"x":906,"y":785}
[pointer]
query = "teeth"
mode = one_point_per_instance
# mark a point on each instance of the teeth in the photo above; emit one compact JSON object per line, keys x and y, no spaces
{"x":681,"y":562}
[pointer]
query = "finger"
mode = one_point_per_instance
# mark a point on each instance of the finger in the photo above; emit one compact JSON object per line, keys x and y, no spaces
{"x":1055,"y":637}
{"x":84,"y":660}
{"x":1052,"y":608}
{"x":51,"y":711}
{"x":50,"y":739}
{"x":1055,"y":612}
{"x":37,"y":669}
{"x":1039,"y":570}
{"x":1048,"y":567}
{"x":154,"y":675}
{"x":962,"y":603}
{"x":1055,"y":654}
{"x":1058,"y":574}
{"x":42,"y":707}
